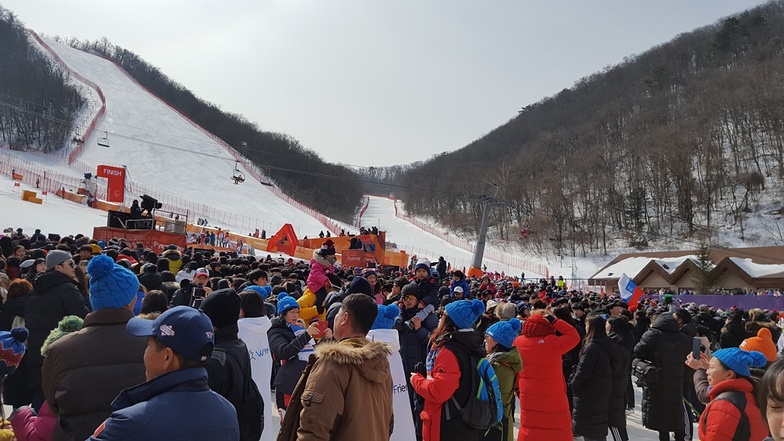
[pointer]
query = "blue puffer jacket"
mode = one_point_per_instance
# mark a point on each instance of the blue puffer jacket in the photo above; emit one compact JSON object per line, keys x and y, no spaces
{"x":178,"y":405}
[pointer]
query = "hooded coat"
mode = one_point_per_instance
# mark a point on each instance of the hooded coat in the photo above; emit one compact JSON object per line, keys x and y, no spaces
{"x":507,"y":366}
{"x":345,"y":394}
{"x":451,"y":359}
{"x":319,"y":268}
{"x":544,"y":408}
{"x":175,"y":260}
{"x":666,"y":347}
{"x":592,"y":387}
{"x":54,"y":296}
{"x":620,"y":379}
{"x":285,"y":347}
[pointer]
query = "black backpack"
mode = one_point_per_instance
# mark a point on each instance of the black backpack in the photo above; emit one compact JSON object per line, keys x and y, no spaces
{"x":738,"y":399}
{"x":252,"y":404}
{"x":483,"y":408}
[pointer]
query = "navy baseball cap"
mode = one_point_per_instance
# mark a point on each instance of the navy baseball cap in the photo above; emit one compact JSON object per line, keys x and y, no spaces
{"x":187,"y":331}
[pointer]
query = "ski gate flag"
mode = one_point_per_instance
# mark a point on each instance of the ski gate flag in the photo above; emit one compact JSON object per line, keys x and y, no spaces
{"x":630,"y":292}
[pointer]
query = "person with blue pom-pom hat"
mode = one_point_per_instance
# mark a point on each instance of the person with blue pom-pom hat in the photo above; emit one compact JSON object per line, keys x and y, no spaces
{"x":507,"y":363}
{"x":453,"y":344}
{"x":84,"y":371}
{"x":732,"y":407}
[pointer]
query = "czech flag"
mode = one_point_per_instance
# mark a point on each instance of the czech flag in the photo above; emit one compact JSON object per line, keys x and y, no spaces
{"x":630,"y":292}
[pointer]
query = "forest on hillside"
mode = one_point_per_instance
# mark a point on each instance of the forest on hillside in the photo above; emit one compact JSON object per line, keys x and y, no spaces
{"x":332,"y":189}
{"x":680,"y":142}
{"x":37,"y":106}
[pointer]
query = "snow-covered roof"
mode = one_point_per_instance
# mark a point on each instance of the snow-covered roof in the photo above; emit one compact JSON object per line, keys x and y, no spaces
{"x":633,"y":265}
{"x":757,"y":269}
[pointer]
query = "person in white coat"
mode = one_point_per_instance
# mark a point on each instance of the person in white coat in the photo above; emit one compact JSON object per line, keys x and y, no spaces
{"x":382,"y":331}
{"x":253,"y":326}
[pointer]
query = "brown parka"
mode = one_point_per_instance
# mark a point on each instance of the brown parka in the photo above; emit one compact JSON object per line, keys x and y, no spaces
{"x":345,"y":393}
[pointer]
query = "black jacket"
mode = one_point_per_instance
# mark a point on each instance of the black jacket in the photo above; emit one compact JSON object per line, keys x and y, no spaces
{"x":666,"y":347}
{"x":285,"y":346}
{"x":592,"y":387}
{"x":620,"y":379}
{"x":54,"y":296}
{"x":151,"y":279}
{"x":413,"y":344}
{"x":732,"y":335}
{"x":10,"y":309}
{"x":15,"y":390}
{"x":227,"y":370}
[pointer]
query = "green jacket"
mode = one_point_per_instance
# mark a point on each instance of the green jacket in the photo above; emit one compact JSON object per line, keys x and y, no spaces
{"x":507,"y":366}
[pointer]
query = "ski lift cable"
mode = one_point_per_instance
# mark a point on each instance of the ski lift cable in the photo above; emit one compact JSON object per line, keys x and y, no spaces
{"x":192,"y":152}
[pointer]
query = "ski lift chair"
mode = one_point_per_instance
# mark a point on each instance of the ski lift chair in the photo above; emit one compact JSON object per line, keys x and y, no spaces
{"x":104,"y":141}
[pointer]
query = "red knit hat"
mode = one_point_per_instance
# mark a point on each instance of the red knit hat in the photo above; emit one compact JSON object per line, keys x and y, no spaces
{"x":537,"y":326}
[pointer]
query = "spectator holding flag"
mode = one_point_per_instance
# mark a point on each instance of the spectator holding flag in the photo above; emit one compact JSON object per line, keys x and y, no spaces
{"x":630,"y":292}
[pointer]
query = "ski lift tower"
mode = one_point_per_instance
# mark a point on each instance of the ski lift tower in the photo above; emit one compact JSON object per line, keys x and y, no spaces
{"x":479,"y":252}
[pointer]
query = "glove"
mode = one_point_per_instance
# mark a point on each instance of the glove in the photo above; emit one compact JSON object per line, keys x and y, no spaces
{"x":420,"y":368}
{"x":551,"y":318}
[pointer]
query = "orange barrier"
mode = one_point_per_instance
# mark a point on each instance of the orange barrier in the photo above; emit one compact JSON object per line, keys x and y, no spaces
{"x":153,"y":239}
{"x":78,"y":198}
{"x":284,"y":241}
{"x":17,"y":176}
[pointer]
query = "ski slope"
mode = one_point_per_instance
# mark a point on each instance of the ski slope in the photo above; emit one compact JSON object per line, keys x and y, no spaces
{"x":167,"y":153}
{"x":170,"y":158}
{"x":55,"y":215}
{"x":380,"y":213}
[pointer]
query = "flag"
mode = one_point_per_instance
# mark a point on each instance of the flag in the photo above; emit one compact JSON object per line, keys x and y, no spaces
{"x":630,"y":292}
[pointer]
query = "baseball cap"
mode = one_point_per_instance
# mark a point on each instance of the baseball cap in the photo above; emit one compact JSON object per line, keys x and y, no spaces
{"x":202,"y":272}
{"x":458,"y":289}
{"x":187,"y":331}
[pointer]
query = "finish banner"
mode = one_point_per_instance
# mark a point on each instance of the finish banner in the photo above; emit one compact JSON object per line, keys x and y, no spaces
{"x":115,"y":187}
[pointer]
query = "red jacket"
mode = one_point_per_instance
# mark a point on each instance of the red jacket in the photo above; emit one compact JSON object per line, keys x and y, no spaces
{"x":544,"y":407}
{"x":436,"y":391}
{"x":720,"y":418}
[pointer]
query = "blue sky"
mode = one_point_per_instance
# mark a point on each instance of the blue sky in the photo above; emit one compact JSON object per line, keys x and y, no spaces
{"x":376,"y":82}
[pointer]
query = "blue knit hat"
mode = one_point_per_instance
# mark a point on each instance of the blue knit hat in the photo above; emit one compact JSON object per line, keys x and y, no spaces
{"x":505,"y":333}
{"x":286,"y":302}
{"x":12,"y":349}
{"x":740,"y":361}
{"x":263,"y":291}
{"x":111,"y":285}
{"x":465,"y":313}
{"x":386,"y":316}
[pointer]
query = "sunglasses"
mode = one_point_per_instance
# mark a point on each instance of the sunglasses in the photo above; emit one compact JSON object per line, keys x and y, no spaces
{"x":70,"y":263}
{"x":409,"y":297}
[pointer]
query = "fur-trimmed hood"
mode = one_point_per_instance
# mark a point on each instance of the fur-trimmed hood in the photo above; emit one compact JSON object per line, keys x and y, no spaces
{"x":321,"y":260}
{"x":368,"y":357}
{"x":172,"y":255}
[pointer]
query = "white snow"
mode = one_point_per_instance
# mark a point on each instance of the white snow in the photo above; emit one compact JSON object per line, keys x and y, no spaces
{"x":415,"y":241}
{"x":757,"y":269}
{"x":633,"y":265}
{"x":55,"y":215}
{"x":169,"y":158}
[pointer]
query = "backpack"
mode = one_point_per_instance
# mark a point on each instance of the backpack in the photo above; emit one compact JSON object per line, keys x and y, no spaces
{"x":483,"y":409}
{"x":738,"y":399}
{"x":251,"y":402}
